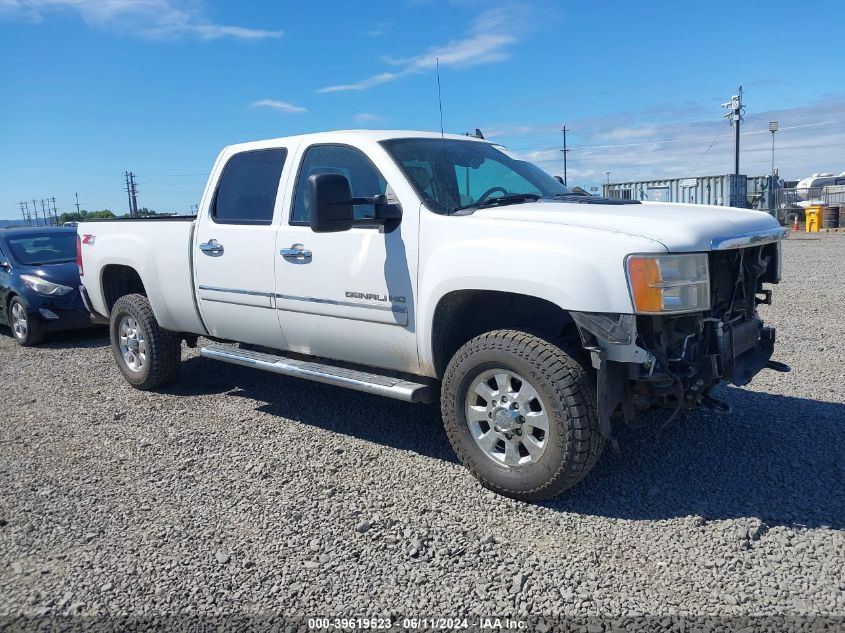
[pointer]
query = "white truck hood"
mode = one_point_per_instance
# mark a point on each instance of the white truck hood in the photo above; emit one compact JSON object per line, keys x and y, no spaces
{"x":679,"y":227}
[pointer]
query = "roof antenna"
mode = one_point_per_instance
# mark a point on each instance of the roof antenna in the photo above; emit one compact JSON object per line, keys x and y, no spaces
{"x":442,"y":135}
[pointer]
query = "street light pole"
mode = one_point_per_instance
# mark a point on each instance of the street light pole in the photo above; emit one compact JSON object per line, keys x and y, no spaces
{"x":773,"y":127}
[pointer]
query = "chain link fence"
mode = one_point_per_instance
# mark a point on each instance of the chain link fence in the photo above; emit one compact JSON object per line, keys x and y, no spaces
{"x":789,"y":202}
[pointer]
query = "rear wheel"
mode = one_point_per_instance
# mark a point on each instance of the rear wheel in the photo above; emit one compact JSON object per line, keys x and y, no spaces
{"x":147,"y":355}
{"x":520,"y":414}
{"x":27,"y":331}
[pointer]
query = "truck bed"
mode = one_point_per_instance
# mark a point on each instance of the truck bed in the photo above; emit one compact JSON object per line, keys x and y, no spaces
{"x":159,"y":250}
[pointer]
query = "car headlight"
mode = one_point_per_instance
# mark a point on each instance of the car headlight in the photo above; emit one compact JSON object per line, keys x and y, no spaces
{"x":661,"y":284}
{"x":44,"y":287}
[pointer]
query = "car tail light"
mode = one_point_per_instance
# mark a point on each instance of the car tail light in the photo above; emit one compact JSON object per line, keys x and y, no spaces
{"x":79,"y":253}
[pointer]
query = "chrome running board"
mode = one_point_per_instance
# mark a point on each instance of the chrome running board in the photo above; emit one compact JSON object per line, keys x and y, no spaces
{"x":367,"y":382}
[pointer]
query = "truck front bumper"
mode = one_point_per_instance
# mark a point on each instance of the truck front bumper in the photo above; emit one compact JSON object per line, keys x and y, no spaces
{"x":699,"y":354}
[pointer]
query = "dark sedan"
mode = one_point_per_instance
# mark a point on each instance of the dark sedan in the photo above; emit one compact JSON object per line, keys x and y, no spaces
{"x":39,"y":283}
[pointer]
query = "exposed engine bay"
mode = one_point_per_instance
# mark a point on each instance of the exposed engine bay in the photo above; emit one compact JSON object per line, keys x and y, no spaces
{"x":688,"y":355}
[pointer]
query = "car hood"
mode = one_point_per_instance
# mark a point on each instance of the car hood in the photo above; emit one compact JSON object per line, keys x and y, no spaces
{"x":64,"y":274}
{"x":678,"y":227}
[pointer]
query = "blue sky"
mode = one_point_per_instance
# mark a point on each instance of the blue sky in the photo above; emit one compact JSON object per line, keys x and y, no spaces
{"x":91,"y":88}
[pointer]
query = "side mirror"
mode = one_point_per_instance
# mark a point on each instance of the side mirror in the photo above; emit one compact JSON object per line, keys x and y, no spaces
{"x":330,"y":203}
{"x":388,"y":214}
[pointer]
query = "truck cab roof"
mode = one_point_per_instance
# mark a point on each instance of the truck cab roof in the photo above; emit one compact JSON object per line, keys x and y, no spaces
{"x":350,"y":135}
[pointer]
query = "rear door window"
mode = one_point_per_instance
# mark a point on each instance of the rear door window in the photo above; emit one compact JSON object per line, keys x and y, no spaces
{"x":246,"y":193}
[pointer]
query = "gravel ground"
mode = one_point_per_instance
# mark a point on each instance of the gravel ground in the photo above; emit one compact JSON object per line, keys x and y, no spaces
{"x":239,"y":492}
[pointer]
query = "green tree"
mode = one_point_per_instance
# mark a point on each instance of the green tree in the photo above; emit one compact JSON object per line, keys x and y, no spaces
{"x":85,"y":215}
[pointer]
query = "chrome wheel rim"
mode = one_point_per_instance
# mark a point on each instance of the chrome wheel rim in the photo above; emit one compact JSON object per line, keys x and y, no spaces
{"x":20,"y":326}
{"x":506,"y":418}
{"x":132,"y":343}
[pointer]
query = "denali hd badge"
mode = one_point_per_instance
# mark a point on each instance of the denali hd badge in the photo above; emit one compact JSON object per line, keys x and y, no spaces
{"x":371,"y":296}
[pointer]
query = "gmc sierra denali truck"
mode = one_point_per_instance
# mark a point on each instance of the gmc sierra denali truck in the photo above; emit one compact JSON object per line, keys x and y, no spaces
{"x":421,"y":267}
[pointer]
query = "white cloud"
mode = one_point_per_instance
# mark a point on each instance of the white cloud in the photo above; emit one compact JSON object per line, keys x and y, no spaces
{"x":375,"y":80}
{"x":378,"y":29}
{"x":367,"y":117}
{"x":627,"y":133}
{"x":157,"y":19}
{"x":638,"y":146}
{"x":487,"y":41}
{"x":281,"y":106}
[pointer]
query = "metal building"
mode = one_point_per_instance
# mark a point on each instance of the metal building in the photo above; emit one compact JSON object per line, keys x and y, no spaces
{"x":727,"y":190}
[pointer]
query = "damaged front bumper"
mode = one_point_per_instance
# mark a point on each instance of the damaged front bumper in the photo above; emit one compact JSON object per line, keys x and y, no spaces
{"x":672,"y":362}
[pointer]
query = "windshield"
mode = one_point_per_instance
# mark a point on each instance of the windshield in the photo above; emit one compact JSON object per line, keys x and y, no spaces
{"x":36,"y":250}
{"x":451,"y":174}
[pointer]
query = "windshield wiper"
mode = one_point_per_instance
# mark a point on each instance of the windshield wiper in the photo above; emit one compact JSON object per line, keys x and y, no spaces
{"x":511,"y":198}
{"x":582,"y":198}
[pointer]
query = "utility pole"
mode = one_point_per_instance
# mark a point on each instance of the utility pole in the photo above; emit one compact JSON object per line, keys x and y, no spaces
{"x":77,"y":203}
{"x":132,"y":192}
{"x":55,"y":215}
{"x":128,"y":190}
{"x":23,"y":211}
{"x":28,"y":214}
{"x":565,"y":151}
{"x":35,"y":211}
{"x":44,"y":213}
{"x":734,"y":115}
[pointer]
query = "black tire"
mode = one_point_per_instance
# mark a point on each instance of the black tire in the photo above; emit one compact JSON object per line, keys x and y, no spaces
{"x":163,"y":348}
{"x":33,"y":334}
{"x":565,"y":390}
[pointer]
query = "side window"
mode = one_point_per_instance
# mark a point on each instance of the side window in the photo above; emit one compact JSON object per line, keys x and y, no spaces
{"x":364,"y":179}
{"x":246,"y":193}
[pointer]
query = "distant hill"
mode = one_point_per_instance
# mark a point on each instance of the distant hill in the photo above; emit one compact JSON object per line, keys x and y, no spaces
{"x":4,"y":223}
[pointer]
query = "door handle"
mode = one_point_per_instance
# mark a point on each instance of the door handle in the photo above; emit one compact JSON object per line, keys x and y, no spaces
{"x":297,"y":251}
{"x":211,"y":247}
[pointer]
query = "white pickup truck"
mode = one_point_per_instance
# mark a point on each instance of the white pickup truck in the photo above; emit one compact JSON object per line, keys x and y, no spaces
{"x":419,"y":266}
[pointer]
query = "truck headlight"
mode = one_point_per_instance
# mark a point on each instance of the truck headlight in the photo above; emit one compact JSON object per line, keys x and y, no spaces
{"x":44,"y":287}
{"x":661,"y":284}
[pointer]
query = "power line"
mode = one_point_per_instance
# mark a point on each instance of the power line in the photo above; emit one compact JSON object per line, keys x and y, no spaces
{"x":672,"y":140}
{"x":713,"y":142}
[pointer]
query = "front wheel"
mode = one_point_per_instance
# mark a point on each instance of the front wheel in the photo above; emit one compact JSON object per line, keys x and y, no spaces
{"x":147,"y":355}
{"x":520,"y":414}
{"x":26,"y":330}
